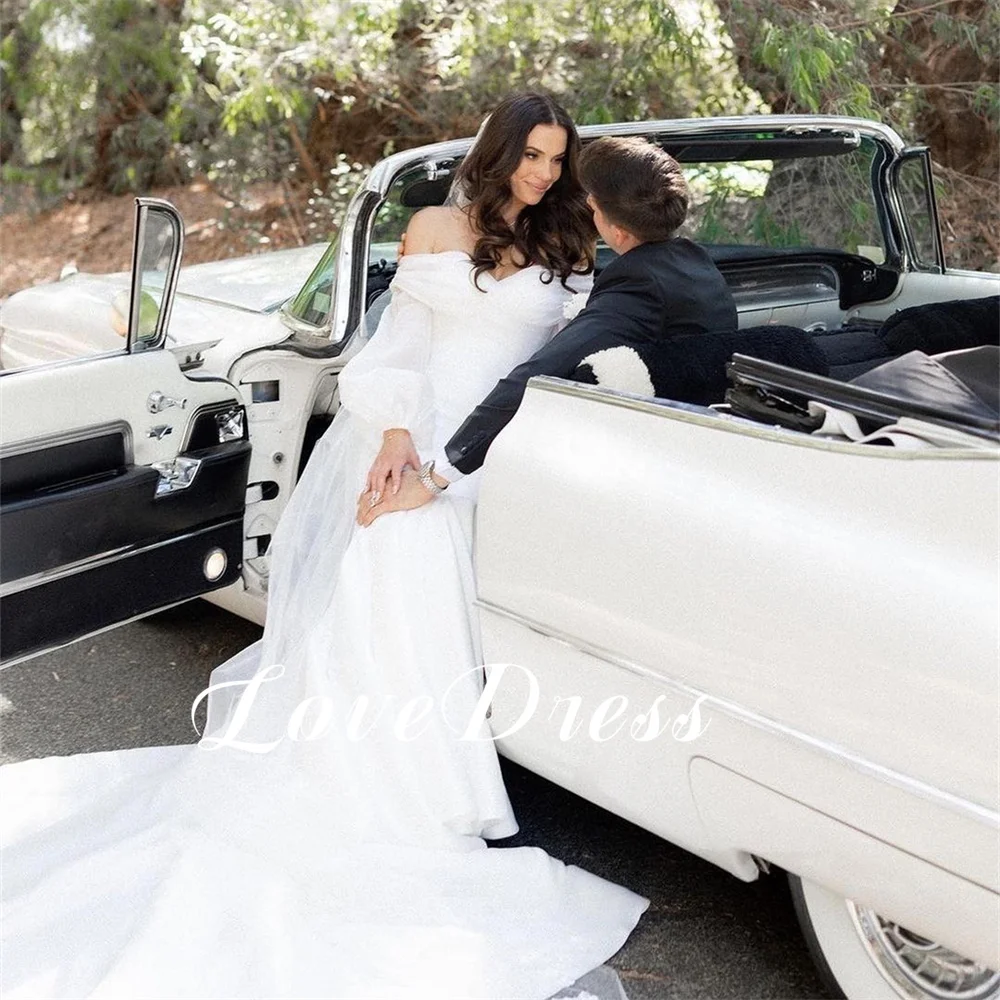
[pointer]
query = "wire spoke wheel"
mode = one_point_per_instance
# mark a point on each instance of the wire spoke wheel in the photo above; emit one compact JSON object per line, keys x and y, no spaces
{"x":921,"y":968}
{"x":861,"y":955}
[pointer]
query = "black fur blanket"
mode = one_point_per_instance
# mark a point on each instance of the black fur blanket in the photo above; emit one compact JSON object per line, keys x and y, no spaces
{"x":691,"y":368}
{"x":943,"y":326}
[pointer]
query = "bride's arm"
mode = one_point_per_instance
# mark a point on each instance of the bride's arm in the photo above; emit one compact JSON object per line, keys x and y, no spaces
{"x":386,"y":383}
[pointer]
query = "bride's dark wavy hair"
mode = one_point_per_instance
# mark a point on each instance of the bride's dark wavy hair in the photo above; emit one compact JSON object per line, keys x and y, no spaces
{"x":558,"y":232}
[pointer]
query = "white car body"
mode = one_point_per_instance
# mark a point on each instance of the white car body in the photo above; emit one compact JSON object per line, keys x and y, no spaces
{"x":830,"y":607}
{"x":843,"y":674}
{"x":79,"y":315}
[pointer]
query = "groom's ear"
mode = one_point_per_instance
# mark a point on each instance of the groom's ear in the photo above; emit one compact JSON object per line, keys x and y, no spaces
{"x":622,"y":235}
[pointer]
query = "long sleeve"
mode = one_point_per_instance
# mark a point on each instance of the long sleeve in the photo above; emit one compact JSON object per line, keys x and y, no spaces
{"x":386,"y":383}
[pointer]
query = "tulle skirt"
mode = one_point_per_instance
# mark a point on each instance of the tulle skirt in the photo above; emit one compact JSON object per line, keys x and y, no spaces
{"x":326,"y":837}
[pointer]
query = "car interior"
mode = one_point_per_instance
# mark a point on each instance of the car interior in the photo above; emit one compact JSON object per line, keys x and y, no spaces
{"x":794,"y":224}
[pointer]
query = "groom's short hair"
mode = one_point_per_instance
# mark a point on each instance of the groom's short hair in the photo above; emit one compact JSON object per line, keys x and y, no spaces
{"x":638,"y":186}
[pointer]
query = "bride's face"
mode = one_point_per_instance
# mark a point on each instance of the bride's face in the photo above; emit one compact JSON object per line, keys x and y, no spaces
{"x":541,"y":164}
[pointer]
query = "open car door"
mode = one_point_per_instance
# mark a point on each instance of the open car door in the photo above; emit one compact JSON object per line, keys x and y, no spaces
{"x":122,"y":480}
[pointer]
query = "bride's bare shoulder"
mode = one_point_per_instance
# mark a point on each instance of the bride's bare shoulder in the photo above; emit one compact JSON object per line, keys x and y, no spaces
{"x":437,"y":230}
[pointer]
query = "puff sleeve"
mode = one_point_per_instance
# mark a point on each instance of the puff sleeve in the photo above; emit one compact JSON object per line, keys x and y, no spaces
{"x":386,"y":383}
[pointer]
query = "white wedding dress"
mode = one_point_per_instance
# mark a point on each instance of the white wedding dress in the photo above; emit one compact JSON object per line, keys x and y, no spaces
{"x":346,"y":859}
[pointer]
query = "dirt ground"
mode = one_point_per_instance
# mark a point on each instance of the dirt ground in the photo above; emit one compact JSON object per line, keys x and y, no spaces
{"x":95,"y":233}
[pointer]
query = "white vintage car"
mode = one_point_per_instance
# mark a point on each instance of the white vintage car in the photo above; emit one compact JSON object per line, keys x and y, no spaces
{"x":802,"y":573}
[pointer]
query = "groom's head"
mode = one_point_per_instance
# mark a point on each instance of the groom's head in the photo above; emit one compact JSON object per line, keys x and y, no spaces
{"x":636,"y":190}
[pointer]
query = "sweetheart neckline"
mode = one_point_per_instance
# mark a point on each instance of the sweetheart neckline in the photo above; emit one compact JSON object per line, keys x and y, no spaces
{"x":468,"y":256}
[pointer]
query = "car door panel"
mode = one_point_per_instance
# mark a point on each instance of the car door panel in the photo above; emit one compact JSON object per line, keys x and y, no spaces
{"x":108,"y":509}
{"x":815,"y":583}
{"x":817,"y":846}
{"x":836,"y":605}
{"x":83,"y":519}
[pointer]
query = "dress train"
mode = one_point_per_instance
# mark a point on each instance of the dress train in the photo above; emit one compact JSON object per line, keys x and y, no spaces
{"x":326,"y":837}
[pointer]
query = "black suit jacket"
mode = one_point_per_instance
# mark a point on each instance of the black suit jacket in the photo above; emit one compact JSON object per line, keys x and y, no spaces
{"x":651,"y":293}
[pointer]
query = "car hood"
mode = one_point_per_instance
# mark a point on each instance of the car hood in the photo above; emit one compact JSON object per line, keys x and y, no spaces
{"x":259,"y":283}
{"x":78,"y":315}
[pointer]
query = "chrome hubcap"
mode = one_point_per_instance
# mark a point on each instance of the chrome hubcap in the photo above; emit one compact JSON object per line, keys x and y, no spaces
{"x":919,"y":969}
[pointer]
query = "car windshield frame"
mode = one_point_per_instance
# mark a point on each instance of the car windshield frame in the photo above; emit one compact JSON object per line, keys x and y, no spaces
{"x":753,"y":150}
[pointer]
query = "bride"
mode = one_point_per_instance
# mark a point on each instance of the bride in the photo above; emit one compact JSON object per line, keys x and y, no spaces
{"x":326,"y":836}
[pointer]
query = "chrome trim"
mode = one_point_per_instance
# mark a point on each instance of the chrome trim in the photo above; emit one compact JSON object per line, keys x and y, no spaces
{"x":294,"y":323}
{"x":690,"y":413}
{"x":265,"y":311}
{"x":57,"y":573}
{"x":908,"y":257}
{"x":382,"y":175}
{"x":231,"y":424}
{"x":215,"y":406}
{"x":177,"y":474}
{"x":143,"y":206}
{"x":751,"y":287}
{"x":923,"y":154}
{"x":65,"y":363}
{"x":344,"y":284}
{"x":99,"y":560}
{"x":745,"y":306}
{"x":157,"y":402}
{"x":297,"y":324}
{"x":961,"y":273}
{"x":72,"y":437}
{"x":842,"y":755}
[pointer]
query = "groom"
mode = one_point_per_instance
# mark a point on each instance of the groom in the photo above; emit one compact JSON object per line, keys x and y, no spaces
{"x":659,"y":286}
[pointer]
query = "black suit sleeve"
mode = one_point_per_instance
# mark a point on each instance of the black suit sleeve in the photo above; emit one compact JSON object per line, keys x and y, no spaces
{"x":613,"y":313}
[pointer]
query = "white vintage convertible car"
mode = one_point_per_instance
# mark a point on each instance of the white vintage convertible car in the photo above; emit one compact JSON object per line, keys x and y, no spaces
{"x":759,"y":619}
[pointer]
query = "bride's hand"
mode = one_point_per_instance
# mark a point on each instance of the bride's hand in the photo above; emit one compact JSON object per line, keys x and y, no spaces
{"x":413,"y":494}
{"x":397,"y":453}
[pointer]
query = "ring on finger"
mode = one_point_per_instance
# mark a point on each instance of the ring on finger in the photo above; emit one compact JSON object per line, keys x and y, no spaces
{"x":376,"y":498}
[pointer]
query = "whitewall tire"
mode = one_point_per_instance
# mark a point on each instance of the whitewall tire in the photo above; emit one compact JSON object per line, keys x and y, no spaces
{"x":863,"y":957}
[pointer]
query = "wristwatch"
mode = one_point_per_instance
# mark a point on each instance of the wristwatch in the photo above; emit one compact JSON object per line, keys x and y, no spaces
{"x":426,"y":476}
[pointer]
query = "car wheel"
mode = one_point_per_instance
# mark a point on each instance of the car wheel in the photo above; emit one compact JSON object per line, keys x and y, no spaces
{"x":862,"y":956}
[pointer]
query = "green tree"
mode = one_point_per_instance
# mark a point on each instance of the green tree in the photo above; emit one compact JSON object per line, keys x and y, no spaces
{"x":92,"y":89}
{"x":131,"y":93}
{"x":931,"y":68}
{"x":137,"y":76}
{"x":18,"y":41}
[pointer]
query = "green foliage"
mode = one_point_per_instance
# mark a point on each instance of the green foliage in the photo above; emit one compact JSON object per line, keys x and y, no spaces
{"x":257,"y":58}
{"x":234,"y":84}
{"x":124,"y":94}
{"x":870,"y":58}
{"x":99,"y":87}
{"x":820,"y":202}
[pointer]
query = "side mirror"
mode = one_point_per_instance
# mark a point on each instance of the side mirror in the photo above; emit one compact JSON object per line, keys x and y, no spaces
{"x":156,"y":257}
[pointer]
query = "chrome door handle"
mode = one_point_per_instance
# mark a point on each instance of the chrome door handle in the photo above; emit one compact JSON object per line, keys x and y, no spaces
{"x":176,"y":475}
{"x":156,"y":402}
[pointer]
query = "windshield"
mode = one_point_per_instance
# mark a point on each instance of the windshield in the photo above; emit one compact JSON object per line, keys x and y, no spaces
{"x":312,"y":303}
{"x":823,"y":200}
{"x":769,"y":190}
